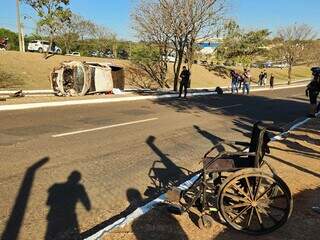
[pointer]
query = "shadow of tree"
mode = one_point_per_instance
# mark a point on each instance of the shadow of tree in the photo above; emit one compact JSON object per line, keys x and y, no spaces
{"x":248,"y":108}
{"x":12,"y":229}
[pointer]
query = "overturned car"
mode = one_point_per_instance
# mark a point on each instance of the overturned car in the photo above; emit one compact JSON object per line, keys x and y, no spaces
{"x":77,"y":78}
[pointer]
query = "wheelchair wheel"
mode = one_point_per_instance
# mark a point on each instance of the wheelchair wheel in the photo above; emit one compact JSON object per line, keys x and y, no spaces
{"x":254,"y":202}
{"x":205,"y":222}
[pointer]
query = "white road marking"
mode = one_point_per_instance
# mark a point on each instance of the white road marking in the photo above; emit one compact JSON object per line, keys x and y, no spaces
{"x":231,"y":106}
{"x":102,"y":128}
{"x":146,"y":208}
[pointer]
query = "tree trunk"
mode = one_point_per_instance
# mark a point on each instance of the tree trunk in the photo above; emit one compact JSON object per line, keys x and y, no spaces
{"x":289,"y":74}
{"x":177,"y":71}
{"x":46,"y":53}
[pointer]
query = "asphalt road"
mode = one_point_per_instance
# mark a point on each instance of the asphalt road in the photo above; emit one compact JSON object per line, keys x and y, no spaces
{"x":125,"y":154}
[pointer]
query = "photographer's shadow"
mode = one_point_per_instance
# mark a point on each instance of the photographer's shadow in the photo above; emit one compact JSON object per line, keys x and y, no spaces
{"x":62,"y":200}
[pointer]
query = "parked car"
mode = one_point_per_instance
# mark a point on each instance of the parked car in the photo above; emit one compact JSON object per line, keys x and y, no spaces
{"x":171,"y":57}
{"x":123,"y":54}
{"x":108,"y":54}
{"x":280,"y":65}
{"x":42,"y":46}
{"x":73,"y":54}
{"x":94,"y":54}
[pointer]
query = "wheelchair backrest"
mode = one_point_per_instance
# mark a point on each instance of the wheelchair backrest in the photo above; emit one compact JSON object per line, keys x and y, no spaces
{"x":258,"y":144}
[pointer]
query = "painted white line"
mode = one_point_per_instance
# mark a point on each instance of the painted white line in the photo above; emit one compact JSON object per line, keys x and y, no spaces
{"x":146,"y":208}
{"x":112,"y":100}
{"x":102,"y":128}
{"x":278,"y":88}
{"x":231,"y":106}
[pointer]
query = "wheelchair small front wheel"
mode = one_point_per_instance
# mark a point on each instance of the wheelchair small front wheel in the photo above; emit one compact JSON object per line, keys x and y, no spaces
{"x":205,"y":222}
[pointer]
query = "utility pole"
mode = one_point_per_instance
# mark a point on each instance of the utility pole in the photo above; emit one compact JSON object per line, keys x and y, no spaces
{"x":19,"y":25}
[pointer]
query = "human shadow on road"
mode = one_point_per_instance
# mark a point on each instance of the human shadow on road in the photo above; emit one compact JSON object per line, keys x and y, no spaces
{"x":62,"y":200}
{"x":164,"y":173}
{"x":12,"y":229}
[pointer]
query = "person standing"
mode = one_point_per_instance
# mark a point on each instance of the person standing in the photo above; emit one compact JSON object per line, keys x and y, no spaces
{"x":246,"y":81}
{"x":271,"y":80}
{"x":234,"y":81}
{"x":185,"y":78}
{"x":313,"y":90}
{"x":261,"y":76}
{"x":265,"y":78}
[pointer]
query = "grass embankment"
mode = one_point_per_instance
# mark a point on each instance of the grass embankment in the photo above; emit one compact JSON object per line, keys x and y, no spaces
{"x":31,"y":71}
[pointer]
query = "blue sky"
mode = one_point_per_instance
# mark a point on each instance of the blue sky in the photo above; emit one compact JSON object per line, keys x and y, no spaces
{"x":115,"y":14}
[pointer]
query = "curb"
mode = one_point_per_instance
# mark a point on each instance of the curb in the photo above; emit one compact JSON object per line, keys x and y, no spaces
{"x":24,"y":106}
{"x":49,"y":92}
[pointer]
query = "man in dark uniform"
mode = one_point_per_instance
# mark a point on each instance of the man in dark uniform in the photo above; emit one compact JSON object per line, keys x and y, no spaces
{"x":313,"y":90}
{"x":185,"y":78}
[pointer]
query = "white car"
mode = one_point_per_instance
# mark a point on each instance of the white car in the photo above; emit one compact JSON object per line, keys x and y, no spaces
{"x":42,"y":46}
{"x":74,"y":54}
{"x":280,"y":65}
{"x":169,"y":58}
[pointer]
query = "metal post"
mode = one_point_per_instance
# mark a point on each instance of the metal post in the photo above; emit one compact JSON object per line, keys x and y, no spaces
{"x":19,"y":24}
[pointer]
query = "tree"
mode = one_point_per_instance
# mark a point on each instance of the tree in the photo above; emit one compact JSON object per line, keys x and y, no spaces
{"x":241,"y":46}
{"x":76,"y":29}
{"x":293,"y":44}
{"x":53,"y":15}
{"x":176,"y":24}
{"x":147,"y":58}
{"x":151,"y":27}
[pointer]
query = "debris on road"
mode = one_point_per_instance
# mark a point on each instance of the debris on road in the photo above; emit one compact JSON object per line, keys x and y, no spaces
{"x":17,"y":94}
{"x":77,"y":78}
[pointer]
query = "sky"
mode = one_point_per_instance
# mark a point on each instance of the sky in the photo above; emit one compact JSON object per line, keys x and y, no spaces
{"x":115,"y":14}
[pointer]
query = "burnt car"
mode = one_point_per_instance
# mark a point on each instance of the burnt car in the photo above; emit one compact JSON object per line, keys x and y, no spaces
{"x":76,"y":78}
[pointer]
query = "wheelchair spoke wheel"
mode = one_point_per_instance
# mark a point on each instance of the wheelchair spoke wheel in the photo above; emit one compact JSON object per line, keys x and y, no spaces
{"x":255,"y":202}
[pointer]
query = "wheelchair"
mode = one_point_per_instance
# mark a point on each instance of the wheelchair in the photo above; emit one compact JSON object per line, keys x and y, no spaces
{"x":239,"y":185}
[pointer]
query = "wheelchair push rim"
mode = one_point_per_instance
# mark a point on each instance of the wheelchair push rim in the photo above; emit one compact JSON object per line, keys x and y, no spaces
{"x":254,"y":202}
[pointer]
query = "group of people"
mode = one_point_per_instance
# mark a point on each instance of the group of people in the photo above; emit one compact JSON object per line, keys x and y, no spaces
{"x":263,"y":78}
{"x":239,"y":81}
{"x":243,"y":80}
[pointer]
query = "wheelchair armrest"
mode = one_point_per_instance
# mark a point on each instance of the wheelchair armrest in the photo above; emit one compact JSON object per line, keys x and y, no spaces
{"x":239,"y":153}
{"x":227,"y":142}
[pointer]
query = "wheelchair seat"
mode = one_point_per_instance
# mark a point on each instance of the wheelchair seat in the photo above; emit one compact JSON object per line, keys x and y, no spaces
{"x":229,"y":161}
{"x":226,"y":163}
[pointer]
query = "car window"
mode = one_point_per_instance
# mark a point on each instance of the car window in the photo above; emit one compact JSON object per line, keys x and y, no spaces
{"x":34,"y":41}
{"x":45,"y":42}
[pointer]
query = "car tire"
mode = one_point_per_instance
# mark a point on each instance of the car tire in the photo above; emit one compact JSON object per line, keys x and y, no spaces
{"x":58,"y":51}
{"x":40,"y":50}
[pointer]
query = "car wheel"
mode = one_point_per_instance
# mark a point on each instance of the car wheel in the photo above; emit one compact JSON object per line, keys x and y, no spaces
{"x":40,"y":50}
{"x":58,"y":51}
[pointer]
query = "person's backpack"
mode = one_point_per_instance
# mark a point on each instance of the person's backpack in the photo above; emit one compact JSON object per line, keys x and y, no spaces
{"x":219,"y":90}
